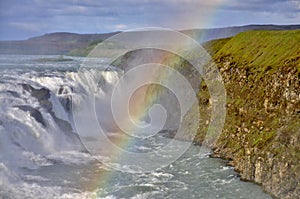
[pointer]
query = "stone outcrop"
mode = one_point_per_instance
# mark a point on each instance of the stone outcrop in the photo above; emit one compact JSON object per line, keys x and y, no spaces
{"x":261,"y":135}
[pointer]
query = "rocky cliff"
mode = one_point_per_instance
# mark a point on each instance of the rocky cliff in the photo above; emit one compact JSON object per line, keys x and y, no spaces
{"x":261,"y":135}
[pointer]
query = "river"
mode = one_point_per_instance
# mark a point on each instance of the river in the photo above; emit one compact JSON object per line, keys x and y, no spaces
{"x":43,"y":157}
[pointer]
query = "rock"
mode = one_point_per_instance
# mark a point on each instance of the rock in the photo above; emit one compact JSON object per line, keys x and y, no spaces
{"x":35,"y":113}
{"x":43,"y":95}
{"x":261,"y":133}
{"x":258,"y":171}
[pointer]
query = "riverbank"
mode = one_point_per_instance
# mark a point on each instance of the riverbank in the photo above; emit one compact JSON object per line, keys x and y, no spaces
{"x":261,"y":75}
{"x":261,"y":135}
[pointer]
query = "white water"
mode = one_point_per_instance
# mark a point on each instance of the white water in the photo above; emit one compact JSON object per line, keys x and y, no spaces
{"x":41,"y":155}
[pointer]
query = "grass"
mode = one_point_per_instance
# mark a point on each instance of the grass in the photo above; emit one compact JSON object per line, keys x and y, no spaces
{"x":262,"y":138}
{"x":257,"y":66}
{"x":214,"y":46}
{"x":262,"y":48}
{"x":83,"y":52}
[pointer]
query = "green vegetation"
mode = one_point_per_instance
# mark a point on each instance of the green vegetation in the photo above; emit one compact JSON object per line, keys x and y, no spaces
{"x":261,"y":135}
{"x":83,"y":52}
{"x":95,"y":42}
{"x":214,"y":46}
{"x":264,"y":49}
{"x":107,"y":47}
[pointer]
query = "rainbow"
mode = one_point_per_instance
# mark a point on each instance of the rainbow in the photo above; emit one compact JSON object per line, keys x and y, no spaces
{"x":142,"y":100}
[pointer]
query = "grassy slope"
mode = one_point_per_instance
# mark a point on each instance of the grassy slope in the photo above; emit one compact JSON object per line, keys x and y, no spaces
{"x":261,"y":71}
{"x":83,"y":52}
{"x":264,"y":48}
{"x":214,"y":46}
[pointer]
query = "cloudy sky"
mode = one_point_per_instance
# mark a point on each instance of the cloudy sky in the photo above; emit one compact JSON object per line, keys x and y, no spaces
{"x":21,"y":19}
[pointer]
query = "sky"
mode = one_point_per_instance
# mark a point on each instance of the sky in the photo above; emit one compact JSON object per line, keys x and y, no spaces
{"x":22,"y":19}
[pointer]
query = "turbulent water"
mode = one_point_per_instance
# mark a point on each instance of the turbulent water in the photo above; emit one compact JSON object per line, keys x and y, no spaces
{"x":41,"y":155}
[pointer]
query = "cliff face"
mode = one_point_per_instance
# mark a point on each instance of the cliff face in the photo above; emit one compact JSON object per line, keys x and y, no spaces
{"x":261,"y":135}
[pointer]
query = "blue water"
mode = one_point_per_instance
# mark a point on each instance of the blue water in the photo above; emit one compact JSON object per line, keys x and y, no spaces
{"x":45,"y":160}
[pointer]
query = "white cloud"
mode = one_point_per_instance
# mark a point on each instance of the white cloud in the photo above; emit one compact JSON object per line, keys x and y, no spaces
{"x":77,"y":9}
{"x":120,"y":27}
{"x":297,"y":4}
{"x":112,"y":15}
{"x":32,"y":27}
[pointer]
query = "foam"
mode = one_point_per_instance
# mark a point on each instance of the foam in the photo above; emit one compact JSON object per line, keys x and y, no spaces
{"x":30,"y":144}
{"x":13,"y":187}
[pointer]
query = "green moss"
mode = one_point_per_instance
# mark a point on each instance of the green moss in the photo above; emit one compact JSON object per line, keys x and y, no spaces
{"x":82,"y":52}
{"x":263,"y":138}
{"x":214,"y":46}
{"x":263,"y":48}
{"x":261,"y":72}
{"x":95,"y":42}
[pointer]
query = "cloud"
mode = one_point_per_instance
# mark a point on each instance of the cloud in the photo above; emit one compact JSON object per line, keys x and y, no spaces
{"x":274,"y":6}
{"x":31,"y":27}
{"x":145,"y":8}
{"x":50,"y":8}
{"x":110,"y":15}
{"x":77,"y":10}
{"x":120,"y":27}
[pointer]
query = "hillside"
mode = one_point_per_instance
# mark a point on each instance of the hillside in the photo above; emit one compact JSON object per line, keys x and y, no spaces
{"x":263,"y":48}
{"x":81,"y":44}
{"x":204,"y":35}
{"x":54,"y":43}
{"x":261,"y":136}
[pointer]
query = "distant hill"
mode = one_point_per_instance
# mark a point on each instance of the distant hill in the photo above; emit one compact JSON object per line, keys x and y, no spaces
{"x":81,"y":44}
{"x":54,"y":43}
{"x":204,"y":35}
